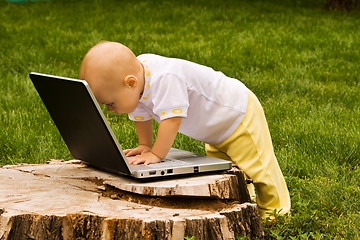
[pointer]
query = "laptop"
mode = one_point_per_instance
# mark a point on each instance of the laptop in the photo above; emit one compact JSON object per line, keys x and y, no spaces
{"x":88,"y":135}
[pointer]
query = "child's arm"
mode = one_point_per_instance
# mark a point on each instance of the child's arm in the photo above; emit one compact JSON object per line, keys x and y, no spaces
{"x":168,"y":129}
{"x":145,"y":134}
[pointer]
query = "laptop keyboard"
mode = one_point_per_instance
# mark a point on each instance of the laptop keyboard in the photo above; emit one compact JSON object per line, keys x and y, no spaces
{"x":172,"y":163}
{"x":169,"y":163}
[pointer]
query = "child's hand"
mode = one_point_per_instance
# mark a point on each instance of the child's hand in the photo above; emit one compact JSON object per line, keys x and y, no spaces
{"x":145,"y":157}
{"x":137,"y":151}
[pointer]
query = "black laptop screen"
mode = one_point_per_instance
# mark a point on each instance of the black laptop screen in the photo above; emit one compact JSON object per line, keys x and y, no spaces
{"x":79,"y":122}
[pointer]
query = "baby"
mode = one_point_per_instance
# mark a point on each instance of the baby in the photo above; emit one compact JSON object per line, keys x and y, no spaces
{"x":191,"y":99}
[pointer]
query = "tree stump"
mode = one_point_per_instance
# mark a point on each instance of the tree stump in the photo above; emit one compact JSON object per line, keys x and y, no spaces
{"x":69,"y":200}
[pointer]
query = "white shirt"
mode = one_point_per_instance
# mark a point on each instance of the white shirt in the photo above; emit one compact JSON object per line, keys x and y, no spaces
{"x":211,"y":105}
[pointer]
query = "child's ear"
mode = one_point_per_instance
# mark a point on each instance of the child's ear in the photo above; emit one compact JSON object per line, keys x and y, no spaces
{"x":130,"y":81}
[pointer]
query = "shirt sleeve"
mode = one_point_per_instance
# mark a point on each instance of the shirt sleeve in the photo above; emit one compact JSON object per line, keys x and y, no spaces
{"x":139,"y":114}
{"x":170,"y":96}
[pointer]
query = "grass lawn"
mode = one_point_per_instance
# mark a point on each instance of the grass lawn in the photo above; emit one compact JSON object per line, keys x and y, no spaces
{"x":301,"y":61}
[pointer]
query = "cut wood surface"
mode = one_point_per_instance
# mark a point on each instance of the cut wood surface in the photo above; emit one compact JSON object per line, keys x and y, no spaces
{"x":68,"y":200}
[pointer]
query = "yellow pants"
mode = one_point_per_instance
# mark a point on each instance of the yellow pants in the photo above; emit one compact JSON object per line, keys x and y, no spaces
{"x":250,"y":148}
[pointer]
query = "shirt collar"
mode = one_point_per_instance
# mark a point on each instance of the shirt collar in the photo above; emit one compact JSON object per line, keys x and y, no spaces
{"x":146,"y":93}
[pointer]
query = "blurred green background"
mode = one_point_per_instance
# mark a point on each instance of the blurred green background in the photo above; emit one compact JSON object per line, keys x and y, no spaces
{"x":302,"y":61}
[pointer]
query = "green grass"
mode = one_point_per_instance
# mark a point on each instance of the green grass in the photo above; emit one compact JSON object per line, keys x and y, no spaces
{"x":301,"y":61}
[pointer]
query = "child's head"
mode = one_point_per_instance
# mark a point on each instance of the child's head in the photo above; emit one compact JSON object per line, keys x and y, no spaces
{"x":115,"y":76}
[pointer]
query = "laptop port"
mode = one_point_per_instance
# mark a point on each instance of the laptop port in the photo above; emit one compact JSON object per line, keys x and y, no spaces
{"x":196,"y":169}
{"x":170,"y":171}
{"x":152,"y":172}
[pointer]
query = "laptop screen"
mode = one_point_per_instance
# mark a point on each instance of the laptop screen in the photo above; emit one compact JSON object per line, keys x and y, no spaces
{"x":81,"y":122}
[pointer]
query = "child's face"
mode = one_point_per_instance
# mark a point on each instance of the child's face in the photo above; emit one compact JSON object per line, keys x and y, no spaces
{"x":117,"y":95}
